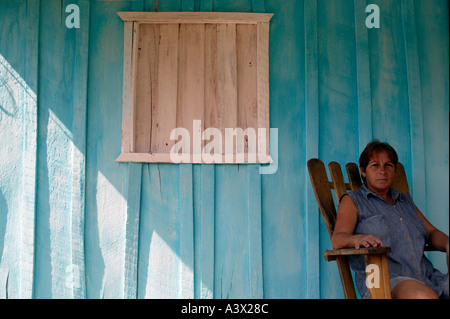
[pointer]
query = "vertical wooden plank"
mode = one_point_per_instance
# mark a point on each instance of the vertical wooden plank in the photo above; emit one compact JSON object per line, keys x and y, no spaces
{"x":127,"y":114}
{"x":226,"y":78}
{"x":363,"y":76}
{"x":106,"y":187}
{"x":154,"y":59}
{"x":432,"y":21}
{"x":189,"y":108}
{"x":231,"y":274}
{"x":186,"y":232}
{"x":246,"y":39}
{"x":256,"y":276}
{"x":134,"y":86}
{"x":250,"y":48}
{"x":337,"y":90}
{"x":207,"y":232}
{"x":254,"y":222}
{"x":144,"y":79}
{"x":132,"y":230}
{"x":161,"y":234}
{"x":191,"y":66}
{"x":389,"y":84}
{"x":54,"y":223}
{"x":312,"y":145}
{"x":164,"y":114}
{"x":142,"y":118}
{"x":206,"y":223}
{"x":28,"y":214}
{"x":417,"y":184}
{"x":211,"y":86}
{"x":79,"y":152}
{"x":263,"y":85}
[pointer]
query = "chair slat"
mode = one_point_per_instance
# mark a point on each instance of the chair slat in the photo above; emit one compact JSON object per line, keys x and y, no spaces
{"x":400,"y":182}
{"x":338,"y":179}
{"x":354,"y":178}
{"x":321,"y":187}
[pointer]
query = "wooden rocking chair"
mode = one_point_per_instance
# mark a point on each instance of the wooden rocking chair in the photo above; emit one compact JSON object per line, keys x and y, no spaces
{"x":372,"y":256}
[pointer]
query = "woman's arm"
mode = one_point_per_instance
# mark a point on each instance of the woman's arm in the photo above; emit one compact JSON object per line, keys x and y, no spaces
{"x":436,"y":238}
{"x":346,"y":219}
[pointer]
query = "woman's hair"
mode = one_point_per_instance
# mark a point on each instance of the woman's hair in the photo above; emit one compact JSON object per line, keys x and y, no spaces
{"x":375,"y":147}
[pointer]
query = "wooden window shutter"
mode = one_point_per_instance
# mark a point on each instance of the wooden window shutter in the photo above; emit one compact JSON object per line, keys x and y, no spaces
{"x":204,"y":72}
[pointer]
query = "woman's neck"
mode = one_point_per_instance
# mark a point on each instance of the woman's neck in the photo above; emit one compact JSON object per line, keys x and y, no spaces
{"x":383,"y":193}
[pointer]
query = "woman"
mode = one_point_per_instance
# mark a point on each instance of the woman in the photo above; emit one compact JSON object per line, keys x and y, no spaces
{"x":378,"y":215}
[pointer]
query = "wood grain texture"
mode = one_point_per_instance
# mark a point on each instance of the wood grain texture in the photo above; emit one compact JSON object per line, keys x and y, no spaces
{"x":216,"y":74}
{"x":196,"y":17}
{"x":75,"y":223}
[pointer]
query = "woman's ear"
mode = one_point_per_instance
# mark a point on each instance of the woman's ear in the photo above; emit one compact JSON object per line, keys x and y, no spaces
{"x":363,"y":173}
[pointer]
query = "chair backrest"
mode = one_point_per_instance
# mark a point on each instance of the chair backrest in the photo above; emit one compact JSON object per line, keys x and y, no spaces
{"x":322,"y":189}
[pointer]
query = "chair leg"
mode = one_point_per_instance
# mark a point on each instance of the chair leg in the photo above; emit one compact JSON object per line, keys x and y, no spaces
{"x":378,"y":276}
{"x":346,"y":277}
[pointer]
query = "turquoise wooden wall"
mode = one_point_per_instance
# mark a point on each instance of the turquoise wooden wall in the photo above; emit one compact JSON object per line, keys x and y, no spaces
{"x":76,"y":224}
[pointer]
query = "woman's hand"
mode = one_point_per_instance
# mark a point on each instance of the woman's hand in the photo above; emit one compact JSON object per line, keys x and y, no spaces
{"x":367,"y":241}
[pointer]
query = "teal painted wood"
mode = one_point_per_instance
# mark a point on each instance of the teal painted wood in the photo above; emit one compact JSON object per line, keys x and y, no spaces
{"x":432,"y":27}
{"x":79,"y":132}
{"x":30,"y":151}
{"x":160,"y":232}
{"x":204,"y":217}
{"x":90,"y":227}
{"x":389,"y":81}
{"x":363,"y":75}
{"x":258,"y":6}
{"x":187,"y":5}
{"x":59,"y":160}
{"x":186,"y":210}
{"x":106,"y":181}
{"x":132,"y":230}
{"x":206,"y":5}
{"x":18,"y":112}
{"x":338,"y":106}
{"x":134,"y":185}
{"x":254,"y":222}
{"x":285,"y":261}
{"x":417,"y":183}
{"x":312,"y":145}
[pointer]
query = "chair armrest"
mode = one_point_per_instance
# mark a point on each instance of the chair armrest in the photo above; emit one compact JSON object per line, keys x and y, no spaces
{"x":372,"y":256}
{"x":333,"y":254}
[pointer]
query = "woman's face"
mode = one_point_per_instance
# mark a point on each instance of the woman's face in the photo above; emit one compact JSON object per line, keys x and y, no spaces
{"x":380,"y":172}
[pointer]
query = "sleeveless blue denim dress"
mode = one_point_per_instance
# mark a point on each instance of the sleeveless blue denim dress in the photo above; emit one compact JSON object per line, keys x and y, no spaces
{"x":398,"y":227}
